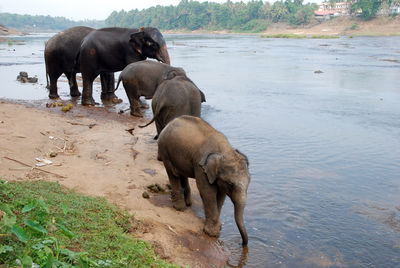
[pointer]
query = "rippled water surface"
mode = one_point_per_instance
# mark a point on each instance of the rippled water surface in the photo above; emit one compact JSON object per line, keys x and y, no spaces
{"x":324,"y":148}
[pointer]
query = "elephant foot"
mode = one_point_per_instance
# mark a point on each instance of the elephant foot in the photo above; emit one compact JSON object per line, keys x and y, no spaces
{"x":177,"y":201}
{"x":136,"y":112}
{"x":75,"y":93}
{"x":212,"y":229}
{"x":88,"y":101}
{"x":188,"y":200}
{"x":54,"y":96}
{"x":109,"y":96}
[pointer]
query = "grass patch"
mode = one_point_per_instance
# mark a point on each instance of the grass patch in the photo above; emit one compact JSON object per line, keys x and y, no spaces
{"x":299,"y":36}
{"x":44,"y":223}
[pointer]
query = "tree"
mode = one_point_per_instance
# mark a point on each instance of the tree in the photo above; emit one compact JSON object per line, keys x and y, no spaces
{"x":279,"y":12}
{"x":369,"y":8}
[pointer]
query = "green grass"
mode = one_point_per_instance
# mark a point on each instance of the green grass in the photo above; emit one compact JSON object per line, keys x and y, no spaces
{"x":299,"y":36}
{"x":44,"y":223}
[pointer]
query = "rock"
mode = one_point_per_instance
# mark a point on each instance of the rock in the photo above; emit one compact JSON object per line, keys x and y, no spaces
{"x":53,"y":154}
{"x":145,"y":195}
{"x":23,"y":74}
{"x":318,"y":72}
{"x":32,"y":79}
{"x":23,"y":78}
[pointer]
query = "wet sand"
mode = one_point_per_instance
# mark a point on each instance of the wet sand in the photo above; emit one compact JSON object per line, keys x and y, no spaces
{"x":97,"y":156}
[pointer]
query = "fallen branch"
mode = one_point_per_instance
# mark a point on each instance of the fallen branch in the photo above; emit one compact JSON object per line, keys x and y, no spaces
{"x":45,"y":171}
{"x":169,"y":227}
{"x":130,"y":131}
{"x":80,"y":124}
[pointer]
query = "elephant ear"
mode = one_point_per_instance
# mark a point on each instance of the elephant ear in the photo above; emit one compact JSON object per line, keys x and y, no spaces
{"x":137,"y":40}
{"x":210,"y":164}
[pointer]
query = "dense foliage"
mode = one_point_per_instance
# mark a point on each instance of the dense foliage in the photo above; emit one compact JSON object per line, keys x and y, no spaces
{"x":31,"y":23}
{"x":253,"y":16}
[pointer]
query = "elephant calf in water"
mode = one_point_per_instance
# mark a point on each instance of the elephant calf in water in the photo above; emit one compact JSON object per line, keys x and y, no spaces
{"x":190,"y":147}
{"x":142,"y":79}
{"x":173,"y":98}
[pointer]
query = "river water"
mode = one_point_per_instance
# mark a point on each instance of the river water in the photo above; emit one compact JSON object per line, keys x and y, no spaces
{"x":323,"y":147}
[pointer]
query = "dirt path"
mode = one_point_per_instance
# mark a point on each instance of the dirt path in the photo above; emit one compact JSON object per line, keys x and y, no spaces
{"x":98,"y":157}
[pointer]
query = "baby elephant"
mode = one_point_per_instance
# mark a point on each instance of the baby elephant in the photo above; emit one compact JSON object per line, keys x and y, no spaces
{"x":142,"y":79}
{"x":173,"y":98}
{"x":190,"y":147}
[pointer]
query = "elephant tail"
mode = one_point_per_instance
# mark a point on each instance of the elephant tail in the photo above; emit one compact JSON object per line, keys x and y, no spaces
{"x":151,"y":121}
{"x":77,"y":66}
{"x":156,"y":112}
{"x":119,"y":81}
{"x":47,"y":72}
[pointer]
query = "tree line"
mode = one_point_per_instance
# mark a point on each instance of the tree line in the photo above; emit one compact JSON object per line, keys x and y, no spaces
{"x":253,"y":16}
{"x":192,"y":15}
{"x":44,"y":23}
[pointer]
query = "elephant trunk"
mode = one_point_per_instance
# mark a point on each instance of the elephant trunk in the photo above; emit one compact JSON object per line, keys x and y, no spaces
{"x":163,"y":55}
{"x":239,"y":210}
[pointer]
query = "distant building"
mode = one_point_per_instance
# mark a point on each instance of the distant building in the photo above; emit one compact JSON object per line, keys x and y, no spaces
{"x":394,"y":9}
{"x":327,"y":9}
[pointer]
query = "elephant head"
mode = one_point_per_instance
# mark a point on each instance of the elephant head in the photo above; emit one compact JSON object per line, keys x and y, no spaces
{"x":150,"y":43}
{"x":230,"y":172}
{"x":171,"y":73}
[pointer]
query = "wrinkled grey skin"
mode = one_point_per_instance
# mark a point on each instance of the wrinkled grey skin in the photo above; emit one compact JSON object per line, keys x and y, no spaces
{"x":112,"y":49}
{"x":142,"y":79}
{"x":59,"y":56}
{"x":173,"y":98}
{"x":190,"y":148}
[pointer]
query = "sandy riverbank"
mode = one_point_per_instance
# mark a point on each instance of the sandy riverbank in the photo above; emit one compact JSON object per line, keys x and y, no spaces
{"x":380,"y":26}
{"x":97,"y":156}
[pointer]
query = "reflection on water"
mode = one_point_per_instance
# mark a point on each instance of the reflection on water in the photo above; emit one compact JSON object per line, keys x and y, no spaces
{"x":323,"y":148}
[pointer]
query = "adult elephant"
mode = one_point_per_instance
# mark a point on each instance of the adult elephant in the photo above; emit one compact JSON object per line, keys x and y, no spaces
{"x":142,"y":78}
{"x":190,"y":148}
{"x":111,"y":49}
{"x":173,"y":98}
{"x":59,"y":56}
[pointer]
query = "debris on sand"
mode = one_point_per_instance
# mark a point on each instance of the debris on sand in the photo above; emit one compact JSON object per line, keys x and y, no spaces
{"x":23,"y":78}
{"x":150,"y":171}
{"x":145,"y":195}
{"x":156,"y":188}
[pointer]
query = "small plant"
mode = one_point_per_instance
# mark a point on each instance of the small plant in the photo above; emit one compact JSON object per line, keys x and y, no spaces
{"x":354,"y":26}
{"x":26,"y":236}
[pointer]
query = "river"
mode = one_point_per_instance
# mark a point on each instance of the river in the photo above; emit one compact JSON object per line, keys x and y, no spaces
{"x":320,"y":123}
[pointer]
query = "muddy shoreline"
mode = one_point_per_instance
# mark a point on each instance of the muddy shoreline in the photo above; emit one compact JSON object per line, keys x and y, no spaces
{"x":97,"y":156}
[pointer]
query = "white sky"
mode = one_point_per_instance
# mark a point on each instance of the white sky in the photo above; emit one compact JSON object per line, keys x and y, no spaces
{"x":87,"y":9}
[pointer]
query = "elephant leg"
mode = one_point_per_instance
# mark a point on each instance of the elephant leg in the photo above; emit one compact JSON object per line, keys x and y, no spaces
{"x":131,"y":93}
{"x":220,"y":201}
{"x":87,"y":91}
{"x":107,"y":88}
{"x":73,"y":86}
{"x":53,"y":94}
{"x":208,"y":194}
{"x":177,"y":193}
{"x":186,"y":191}
{"x":159,"y":127}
